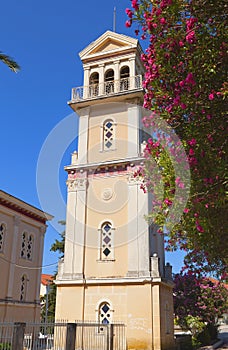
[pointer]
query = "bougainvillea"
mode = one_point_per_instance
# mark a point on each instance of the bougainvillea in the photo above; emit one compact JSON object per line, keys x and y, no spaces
{"x":199,"y":297}
{"x":185,"y":86}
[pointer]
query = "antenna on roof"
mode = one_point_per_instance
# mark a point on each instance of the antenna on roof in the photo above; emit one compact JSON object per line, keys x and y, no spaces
{"x":114,"y":20}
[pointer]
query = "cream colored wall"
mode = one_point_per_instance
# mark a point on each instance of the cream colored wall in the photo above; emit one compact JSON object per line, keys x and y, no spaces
{"x":98,"y":115}
{"x":13,"y":267}
{"x":167,"y":318}
{"x":131,"y":304}
{"x":114,"y":210}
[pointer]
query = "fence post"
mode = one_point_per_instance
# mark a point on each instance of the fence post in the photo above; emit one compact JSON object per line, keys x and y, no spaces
{"x":18,"y":335}
{"x":71,"y":336}
{"x":111,"y":336}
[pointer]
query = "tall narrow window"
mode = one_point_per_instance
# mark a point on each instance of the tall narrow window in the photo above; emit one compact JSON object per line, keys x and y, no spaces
{"x":2,"y":236}
{"x":94,"y":84}
{"x":29,"y":247}
{"x":104,"y":313}
{"x":109,"y":81}
{"x":23,"y":288}
{"x":26,"y":246}
{"x":106,"y":241}
{"x":23,"y":245}
{"x":108,"y":135}
{"x":124,"y":78}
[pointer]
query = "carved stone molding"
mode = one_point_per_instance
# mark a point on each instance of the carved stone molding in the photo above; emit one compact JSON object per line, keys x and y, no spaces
{"x":134,"y":180}
{"x":77,"y":184}
{"x":43,"y":229}
{"x":107,"y":194}
{"x":17,"y":220}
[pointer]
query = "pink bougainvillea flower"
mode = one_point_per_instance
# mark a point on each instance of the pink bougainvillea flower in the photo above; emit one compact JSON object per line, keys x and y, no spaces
{"x":129,"y":12}
{"x":134,"y":4}
{"x":162,"y":20}
{"x":199,"y":228}
{"x":190,"y":23}
{"x":211,"y":96}
{"x":190,"y":37}
{"x":192,"y":142}
{"x":190,"y":79}
{"x":128,"y":23}
{"x":168,"y":201}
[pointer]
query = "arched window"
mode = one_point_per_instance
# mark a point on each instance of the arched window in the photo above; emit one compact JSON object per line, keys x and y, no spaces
{"x":2,"y":236}
{"x":104,"y":313}
{"x":108,"y":135}
{"x":124,"y":78}
{"x":94,"y":84}
{"x":106,"y":250}
{"x":26,"y":246}
{"x":109,"y":81}
{"x":23,"y":288}
{"x":29,"y":247}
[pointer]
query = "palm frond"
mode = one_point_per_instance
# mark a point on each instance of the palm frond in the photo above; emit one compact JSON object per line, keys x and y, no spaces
{"x":9,"y":61}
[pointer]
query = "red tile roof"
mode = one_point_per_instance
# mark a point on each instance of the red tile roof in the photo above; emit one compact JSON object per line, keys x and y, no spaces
{"x":45,"y":279}
{"x":213,"y":280}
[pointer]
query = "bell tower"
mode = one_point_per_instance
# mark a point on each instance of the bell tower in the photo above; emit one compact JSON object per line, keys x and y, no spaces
{"x":114,"y":268}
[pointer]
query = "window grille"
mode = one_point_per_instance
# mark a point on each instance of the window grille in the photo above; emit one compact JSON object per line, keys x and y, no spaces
{"x":2,"y":236}
{"x":108,"y":135}
{"x":104,"y":313}
{"x":26,"y":246}
{"x":106,"y":241}
{"x":23,"y":288}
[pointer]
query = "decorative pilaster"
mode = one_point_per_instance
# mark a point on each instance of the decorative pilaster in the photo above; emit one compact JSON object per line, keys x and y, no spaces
{"x":75,"y":228}
{"x":132,"y":72}
{"x":17,"y":221}
{"x":117,"y":75}
{"x":86,"y":82}
{"x":138,"y":236}
{"x":39,"y":253}
{"x":101,"y":79}
{"x":83,"y":135}
{"x":134,"y":115}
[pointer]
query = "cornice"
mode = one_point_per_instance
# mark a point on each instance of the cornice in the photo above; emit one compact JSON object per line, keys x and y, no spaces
{"x":108,"y":164}
{"x":21,"y":207}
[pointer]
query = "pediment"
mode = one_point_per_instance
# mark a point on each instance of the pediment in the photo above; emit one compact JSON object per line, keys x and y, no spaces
{"x":108,"y":42}
{"x":108,"y":45}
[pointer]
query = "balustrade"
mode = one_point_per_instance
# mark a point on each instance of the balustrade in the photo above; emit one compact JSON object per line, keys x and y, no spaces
{"x":107,"y":88}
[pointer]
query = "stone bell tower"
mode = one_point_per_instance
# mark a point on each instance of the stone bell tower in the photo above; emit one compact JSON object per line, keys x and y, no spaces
{"x":114,"y":267}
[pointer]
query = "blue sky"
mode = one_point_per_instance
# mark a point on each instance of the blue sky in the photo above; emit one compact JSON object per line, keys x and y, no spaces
{"x":45,"y":38}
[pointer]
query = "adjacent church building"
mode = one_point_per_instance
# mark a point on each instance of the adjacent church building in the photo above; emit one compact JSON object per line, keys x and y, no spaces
{"x":22,"y":230}
{"x":114,"y":266}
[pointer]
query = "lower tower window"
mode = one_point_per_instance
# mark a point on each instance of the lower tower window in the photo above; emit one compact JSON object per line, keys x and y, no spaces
{"x":105,"y":313}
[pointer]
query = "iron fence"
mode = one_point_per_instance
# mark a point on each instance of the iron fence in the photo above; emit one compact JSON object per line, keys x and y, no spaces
{"x":62,"y":336}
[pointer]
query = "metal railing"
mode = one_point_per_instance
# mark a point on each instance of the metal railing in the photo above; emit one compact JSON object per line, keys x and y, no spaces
{"x":62,"y":336}
{"x":107,"y":88}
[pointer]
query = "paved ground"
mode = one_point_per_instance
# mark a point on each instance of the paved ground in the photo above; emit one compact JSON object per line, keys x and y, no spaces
{"x":223,"y":335}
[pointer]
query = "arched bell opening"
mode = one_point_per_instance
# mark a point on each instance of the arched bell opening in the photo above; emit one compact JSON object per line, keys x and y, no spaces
{"x":109,"y":81}
{"x":124,"y":78}
{"x":94,"y":84}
